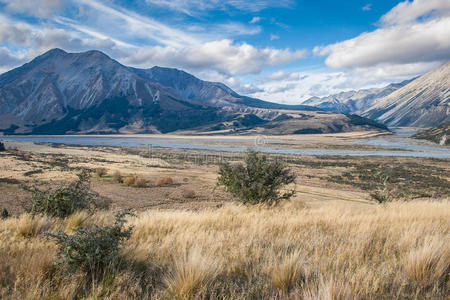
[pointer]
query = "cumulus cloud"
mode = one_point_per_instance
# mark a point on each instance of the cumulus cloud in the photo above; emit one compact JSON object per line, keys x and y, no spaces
{"x":406,"y":12}
{"x":274,"y":37}
{"x":41,"y":8}
{"x":410,"y":33}
{"x":223,"y":56}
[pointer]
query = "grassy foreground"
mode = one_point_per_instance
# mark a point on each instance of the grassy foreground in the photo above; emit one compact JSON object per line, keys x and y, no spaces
{"x":393,"y":251}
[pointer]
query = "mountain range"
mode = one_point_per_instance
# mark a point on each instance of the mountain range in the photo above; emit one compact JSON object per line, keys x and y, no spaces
{"x":61,"y":93}
{"x":354,"y":101}
{"x":420,"y":102}
{"x":424,"y":102}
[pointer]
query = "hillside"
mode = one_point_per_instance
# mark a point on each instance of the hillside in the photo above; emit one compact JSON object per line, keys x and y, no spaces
{"x":439,"y":134}
{"x":423,"y":102}
{"x":60,"y":93}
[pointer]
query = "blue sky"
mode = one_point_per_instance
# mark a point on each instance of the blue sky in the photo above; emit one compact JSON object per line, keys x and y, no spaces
{"x":278,"y":50}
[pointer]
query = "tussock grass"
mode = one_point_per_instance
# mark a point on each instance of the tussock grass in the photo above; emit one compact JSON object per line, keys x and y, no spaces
{"x":394,"y":251}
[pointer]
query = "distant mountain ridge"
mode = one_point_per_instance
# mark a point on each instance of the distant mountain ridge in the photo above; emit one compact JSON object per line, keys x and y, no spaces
{"x":60,"y":92}
{"x":354,"y":101}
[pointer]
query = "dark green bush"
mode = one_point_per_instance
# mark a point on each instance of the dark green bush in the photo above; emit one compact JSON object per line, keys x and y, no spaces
{"x":65,"y":199}
{"x":259,"y":180}
{"x":93,"y":249}
{"x":5,"y":213}
{"x":2,"y":147}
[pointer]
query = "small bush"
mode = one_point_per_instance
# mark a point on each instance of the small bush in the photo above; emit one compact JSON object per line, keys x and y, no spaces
{"x":140,"y":183}
{"x":189,"y":194}
{"x":101,"y":172}
{"x":384,"y":191}
{"x":168,"y":180}
{"x":117,"y":177}
{"x":64,"y":200}
{"x":258,"y":181}
{"x":129,"y":180}
{"x":164,"y":181}
{"x":92,"y":249}
{"x":5,"y":213}
{"x":2,"y":147}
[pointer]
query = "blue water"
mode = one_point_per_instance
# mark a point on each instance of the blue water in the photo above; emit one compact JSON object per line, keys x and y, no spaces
{"x":414,"y":148}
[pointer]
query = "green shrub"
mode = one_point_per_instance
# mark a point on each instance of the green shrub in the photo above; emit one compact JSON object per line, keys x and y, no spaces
{"x":384,"y":190}
{"x":258,"y":181}
{"x":65,"y":199}
{"x":93,"y":249}
{"x":5,"y":213}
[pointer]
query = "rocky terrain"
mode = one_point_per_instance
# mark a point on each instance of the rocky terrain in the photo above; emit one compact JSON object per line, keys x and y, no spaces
{"x":424,"y":102}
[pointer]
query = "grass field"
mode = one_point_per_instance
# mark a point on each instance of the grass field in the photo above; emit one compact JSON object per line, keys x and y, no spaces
{"x":331,"y":241}
{"x":393,"y":251}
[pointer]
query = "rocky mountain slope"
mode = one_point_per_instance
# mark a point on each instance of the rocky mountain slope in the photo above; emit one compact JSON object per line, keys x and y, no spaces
{"x":353,"y":101}
{"x":424,"y":102}
{"x":60,"y":92}
{"x":439,"y":134}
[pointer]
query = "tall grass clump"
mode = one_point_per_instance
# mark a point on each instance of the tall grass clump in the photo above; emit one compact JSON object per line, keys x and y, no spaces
{"x":63,"y":200}
{"x":258,"y":180}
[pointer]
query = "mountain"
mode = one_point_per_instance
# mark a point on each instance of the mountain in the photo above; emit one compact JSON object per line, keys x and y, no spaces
{"x":424,"y":102}
{"x":439,"y":134}
{"x":354,"y":101}
{"x":60,"y":92}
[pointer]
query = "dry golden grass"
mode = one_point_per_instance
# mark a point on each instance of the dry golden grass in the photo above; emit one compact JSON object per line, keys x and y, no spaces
{"x":140,"y":183}
{"x":129,"y":180}
{"x":393,"y":251}
{"x":76,"y":220}
{"x":164,"y":181}
{"x":101,"y":171}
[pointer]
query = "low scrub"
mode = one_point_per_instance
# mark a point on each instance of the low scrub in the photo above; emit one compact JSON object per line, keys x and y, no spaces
{"x":93,"y":249}
{"x":129,"y":180}
{"x":140,"y":183}
{"x":63,"y":200}
{"x":162,"y":181}
{"x":117,"y":177}
{"x":258,"y":180}
{"x":101,"y":172}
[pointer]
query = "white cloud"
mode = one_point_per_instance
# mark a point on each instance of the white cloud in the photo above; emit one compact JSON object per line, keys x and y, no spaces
{"x":411,"y":34}
{"x":41,"y":8}
{"x":192,"y":7}
{"x":255,"y":20}
{"x":406,"y":12}
{"x":367,"y":7}
{"x":274,"y":37}
{"x":224,"y":56}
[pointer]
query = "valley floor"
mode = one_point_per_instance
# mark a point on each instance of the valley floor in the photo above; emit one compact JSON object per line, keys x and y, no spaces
{"x":191,"y":241}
